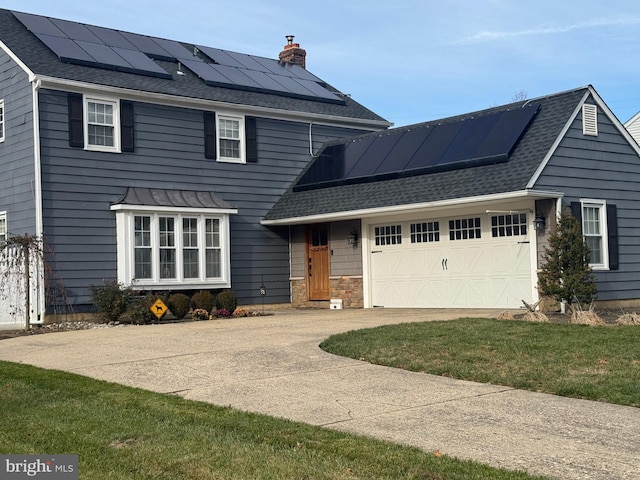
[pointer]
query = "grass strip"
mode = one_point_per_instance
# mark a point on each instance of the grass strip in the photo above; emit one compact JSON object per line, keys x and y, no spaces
{"x":126,"y":433}
{"x":595,"y":363}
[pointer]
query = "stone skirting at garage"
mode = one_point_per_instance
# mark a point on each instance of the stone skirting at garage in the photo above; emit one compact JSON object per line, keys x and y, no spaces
{"x":348,"y":289}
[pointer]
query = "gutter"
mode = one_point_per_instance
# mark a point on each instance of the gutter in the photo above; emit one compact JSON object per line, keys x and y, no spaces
{"x":408,"y":208}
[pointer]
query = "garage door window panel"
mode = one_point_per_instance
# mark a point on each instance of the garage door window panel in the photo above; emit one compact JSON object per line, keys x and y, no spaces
{"x":511,"y":225}
{"x":425,"y":232}
{"x":388,"y":235}
{"x":465,"y":229}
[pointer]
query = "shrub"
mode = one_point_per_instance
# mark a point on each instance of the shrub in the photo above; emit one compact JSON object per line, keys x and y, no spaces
{"x":203,"y":299}
{"x":110,"y":299}
{"x":227,"y":300}
{"x":628,"y":319}
{"x":179,"y":304}
{"x":200,"y":314}
{"x":139,"y":310}
{"x":566,"y":274}
{"x":221,"y":313}
{"x":240,"y":312}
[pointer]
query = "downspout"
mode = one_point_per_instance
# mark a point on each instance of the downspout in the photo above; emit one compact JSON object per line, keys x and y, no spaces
{"x":37,"y":194}
{"x":37,"y":199}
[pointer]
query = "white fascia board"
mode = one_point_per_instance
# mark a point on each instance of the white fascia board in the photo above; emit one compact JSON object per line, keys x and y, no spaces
{"x":556,"y":143}
{"x":161,"y":209}
{"x":612,"y":117}
{"x":201,"y":104}
{"x":408,"y":208}
{"x":19,"y":62}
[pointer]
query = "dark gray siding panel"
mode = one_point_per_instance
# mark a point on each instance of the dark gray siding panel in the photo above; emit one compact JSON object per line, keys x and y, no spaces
{"x":605,"y":167}
{"x":17,"y":170}
{"x":79,"y":187}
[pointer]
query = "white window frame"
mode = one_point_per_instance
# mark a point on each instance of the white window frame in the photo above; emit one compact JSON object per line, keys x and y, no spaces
{"x":220,"y":117}
{"x":601,"y":205}
{"x":125,"y":215}
{"x":4,"y":231}
{"x":3,"y":120}
{"x":115,"y":104}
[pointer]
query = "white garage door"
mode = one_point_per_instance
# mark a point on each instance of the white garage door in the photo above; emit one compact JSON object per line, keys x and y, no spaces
{"x":452,"y":263}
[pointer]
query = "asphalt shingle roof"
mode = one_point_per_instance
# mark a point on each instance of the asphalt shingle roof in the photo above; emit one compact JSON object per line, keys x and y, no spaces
{"x":42,"y":61}
{"x":513,"y":175}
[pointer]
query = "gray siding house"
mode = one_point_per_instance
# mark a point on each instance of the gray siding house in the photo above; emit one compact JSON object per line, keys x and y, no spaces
{"x":456,"y":212}
{"x":154,"y":161}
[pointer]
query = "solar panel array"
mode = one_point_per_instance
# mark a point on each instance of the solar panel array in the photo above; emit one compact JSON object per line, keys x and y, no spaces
{"x":93,"y":46}
{"x":419,"y":150}
{"x":130,"y":52}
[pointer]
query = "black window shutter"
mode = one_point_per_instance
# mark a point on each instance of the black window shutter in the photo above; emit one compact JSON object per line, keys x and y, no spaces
{"x":251,"y":139}
{"x":576,"y":211}
{"x":210,"y":146}
{"x":76,"y":120}
{"x":126,"y":126}
{"x":612,"y":232}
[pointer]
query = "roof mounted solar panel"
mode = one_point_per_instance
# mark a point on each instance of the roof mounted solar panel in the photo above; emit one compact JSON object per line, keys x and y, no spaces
{"x":104,"y":55}
{"x":38,"y":24}
{"x":298,"y":72}
{"x":236,"y":76}
{"x":317,"y":90}
{"x":272,"y":66}
{"x":467,"y":142}
{"x":402,"y":153}
{"x":219,"y":56}
{"x":148,"y":46}
{"x":76,"y":31}
{"x":507,"y":130}
{"x":266,"y":80}
{"x":66,"y":49}
{"x":246,"y":61}
{"x":176,"y":49}
{"x":206,"y":72}
{"x":382,"y":145}
{"x":112,"y":38}
{"x":421,"y":149}
{"x":142,"y":64}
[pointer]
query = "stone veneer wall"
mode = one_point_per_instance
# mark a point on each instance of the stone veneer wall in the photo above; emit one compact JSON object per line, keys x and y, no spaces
{"x":347,"y":288}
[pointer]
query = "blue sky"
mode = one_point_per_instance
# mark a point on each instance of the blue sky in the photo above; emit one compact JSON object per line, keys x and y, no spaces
{"x":409,"y":60}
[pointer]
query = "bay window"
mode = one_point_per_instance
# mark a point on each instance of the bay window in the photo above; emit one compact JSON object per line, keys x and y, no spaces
{"x":174,"y":249}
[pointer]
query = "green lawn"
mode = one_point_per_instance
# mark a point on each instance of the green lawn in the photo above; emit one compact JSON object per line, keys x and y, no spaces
{"x":125,"y":433}
{"x":595,"y":363}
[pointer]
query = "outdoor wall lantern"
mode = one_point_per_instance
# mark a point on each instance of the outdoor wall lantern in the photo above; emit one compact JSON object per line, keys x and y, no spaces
{"x":540,"y":223}
{"x":352,"y":238}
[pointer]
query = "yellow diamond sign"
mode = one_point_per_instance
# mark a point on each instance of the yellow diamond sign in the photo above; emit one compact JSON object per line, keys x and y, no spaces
{"x":159,"y":308}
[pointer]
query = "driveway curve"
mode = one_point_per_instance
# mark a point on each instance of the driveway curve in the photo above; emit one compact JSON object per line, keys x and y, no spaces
{"x":273,"y":365}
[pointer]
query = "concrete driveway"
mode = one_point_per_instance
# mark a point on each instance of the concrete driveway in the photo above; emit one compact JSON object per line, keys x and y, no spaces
{"x":273,"y":365}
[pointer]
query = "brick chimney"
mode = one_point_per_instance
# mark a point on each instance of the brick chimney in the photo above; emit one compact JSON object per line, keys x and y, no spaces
{"x":292,"y":53}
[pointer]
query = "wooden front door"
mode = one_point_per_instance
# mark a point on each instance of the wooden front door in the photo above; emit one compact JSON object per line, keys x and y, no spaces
{"x":318,"y":262}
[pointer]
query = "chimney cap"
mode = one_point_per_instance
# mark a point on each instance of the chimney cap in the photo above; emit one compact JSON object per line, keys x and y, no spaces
{"x":289,"y":39}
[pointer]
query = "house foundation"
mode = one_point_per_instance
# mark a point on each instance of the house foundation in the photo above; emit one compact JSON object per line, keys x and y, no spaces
{"x":349,"y":289}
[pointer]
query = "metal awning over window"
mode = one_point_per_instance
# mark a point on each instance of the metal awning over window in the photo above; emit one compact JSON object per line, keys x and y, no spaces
{"x":159,"y":197}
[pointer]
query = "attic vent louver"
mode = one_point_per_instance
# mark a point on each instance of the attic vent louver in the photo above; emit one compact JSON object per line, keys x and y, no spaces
{"x":589,"y":119}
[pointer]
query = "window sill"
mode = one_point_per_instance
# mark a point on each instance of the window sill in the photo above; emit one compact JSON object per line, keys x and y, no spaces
{"x":97,"y":148}
{"x":185,"y":285}
{"x":231,"y":160}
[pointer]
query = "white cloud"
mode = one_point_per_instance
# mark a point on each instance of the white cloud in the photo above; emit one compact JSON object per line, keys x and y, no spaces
{"x":488,"y":36}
